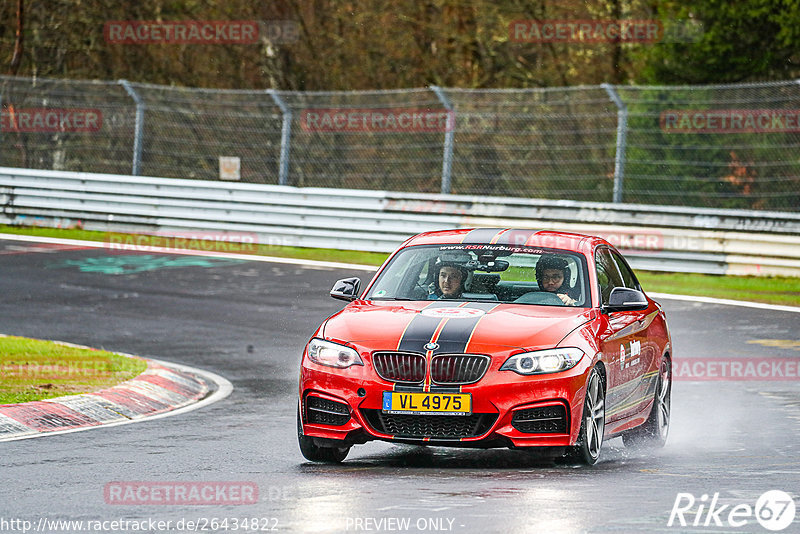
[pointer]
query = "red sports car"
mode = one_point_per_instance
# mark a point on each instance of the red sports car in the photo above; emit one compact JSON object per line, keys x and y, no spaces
{"x":490,"y":338}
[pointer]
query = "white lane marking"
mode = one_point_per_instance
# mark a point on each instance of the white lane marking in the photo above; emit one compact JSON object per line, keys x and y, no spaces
{"x":352,"y":266}
{"x":726,"y":302}
{"x":224,"y":388}
{"x":207,"y":254}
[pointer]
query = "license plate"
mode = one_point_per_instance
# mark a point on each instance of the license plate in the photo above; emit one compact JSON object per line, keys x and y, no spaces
{"x":399,"y":402}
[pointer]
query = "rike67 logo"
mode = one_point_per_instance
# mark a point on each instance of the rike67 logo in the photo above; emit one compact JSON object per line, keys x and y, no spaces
{"x":774,"y":510}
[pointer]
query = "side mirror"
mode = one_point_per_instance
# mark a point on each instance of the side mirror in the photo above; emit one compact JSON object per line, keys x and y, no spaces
{"x":346,"y":289}
{"x":625,"y":299}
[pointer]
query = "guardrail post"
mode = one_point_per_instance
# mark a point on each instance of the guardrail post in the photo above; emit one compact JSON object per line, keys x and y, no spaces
{"x":138,"y":136}
{"x":622,"y":140}
{"x":447,"y":157}
{"x":286,"y":135}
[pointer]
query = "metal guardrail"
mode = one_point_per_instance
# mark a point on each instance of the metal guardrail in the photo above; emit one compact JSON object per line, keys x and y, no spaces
{"x":658,"y":238}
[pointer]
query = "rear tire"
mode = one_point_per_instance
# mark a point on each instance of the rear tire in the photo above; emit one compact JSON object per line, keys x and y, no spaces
{"x":313,"y":452}
{"x":653,"y":433}
{"x":593,"y":422}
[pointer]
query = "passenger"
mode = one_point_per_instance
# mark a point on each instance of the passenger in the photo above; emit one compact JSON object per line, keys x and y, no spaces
{"x":552,"y":274}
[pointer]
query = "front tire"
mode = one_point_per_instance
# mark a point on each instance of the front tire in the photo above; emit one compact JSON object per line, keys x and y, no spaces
{"x":653,"y":433}
{"x":313,"y":452}
{"x":593,"y":422}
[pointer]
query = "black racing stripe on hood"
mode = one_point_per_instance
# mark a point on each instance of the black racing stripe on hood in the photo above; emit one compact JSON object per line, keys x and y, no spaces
{"x":421,"y":329}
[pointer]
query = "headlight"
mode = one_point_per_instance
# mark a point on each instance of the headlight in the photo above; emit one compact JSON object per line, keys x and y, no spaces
{"x":332,"y":354}
{"x":543,"y":361}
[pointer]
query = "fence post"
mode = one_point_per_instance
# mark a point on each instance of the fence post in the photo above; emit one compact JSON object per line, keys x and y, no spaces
{"x":447,"y":158}
{"x":138,"y":136}
{"x":286,"y":135}
{"x":622,"y":140}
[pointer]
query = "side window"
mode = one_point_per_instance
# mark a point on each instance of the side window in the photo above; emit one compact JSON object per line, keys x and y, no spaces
{"x":627,"y":274}
{"x":608,"y":276}
{"x":402,"y":278}
{"x":422,"y":278}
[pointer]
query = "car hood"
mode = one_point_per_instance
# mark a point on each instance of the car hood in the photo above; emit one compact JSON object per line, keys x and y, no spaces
{"x":455,"y":327}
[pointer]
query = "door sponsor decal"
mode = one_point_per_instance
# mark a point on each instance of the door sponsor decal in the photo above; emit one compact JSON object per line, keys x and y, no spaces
{"x":636,"y":350}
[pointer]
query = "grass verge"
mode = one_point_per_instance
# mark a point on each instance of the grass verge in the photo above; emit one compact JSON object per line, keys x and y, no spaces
{"x":770,"y":290}
{"x":767,"y":289}
{"x":319,"y":254}
{"x":31,"y":369}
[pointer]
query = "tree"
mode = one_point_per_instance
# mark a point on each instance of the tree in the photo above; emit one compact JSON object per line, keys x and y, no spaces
{"x":746,"y":40}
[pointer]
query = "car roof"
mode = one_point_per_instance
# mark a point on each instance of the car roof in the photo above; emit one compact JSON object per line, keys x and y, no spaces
{"x":508,"y":236}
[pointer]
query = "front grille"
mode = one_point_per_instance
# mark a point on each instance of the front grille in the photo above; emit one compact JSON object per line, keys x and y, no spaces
{"x":399,"y":366}
{"x":445,"y":368}
{"x":541,"y":420}
{"x":326,"y":412}
{"x":459,"y":368}
{"x":430,"y":426}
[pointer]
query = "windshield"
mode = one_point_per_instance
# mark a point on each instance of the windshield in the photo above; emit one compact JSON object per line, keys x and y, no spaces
{"x":491,"y":273}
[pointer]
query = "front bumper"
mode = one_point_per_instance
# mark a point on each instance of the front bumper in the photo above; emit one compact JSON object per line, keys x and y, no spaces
{"x":508,"y":410}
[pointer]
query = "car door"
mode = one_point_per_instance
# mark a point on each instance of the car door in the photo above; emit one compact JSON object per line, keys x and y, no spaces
{"x":643,"y":365}
{"x":620,"y":341}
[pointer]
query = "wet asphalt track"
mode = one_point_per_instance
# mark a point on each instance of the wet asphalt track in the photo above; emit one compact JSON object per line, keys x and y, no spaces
{"x":248,"y":321}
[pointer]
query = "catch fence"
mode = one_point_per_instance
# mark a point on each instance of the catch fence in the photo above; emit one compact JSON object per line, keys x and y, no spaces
{"x":720,"y":146}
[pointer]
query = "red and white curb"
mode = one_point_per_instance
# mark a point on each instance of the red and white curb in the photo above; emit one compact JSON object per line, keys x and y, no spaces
{"x":164,"y":389}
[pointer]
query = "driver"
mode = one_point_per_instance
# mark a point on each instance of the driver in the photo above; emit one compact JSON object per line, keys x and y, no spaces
{"x":552,"y":273}
{"x":449,"y":282}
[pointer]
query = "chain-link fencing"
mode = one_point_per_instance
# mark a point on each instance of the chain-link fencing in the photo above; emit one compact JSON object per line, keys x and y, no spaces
{"x":731,"y":146}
